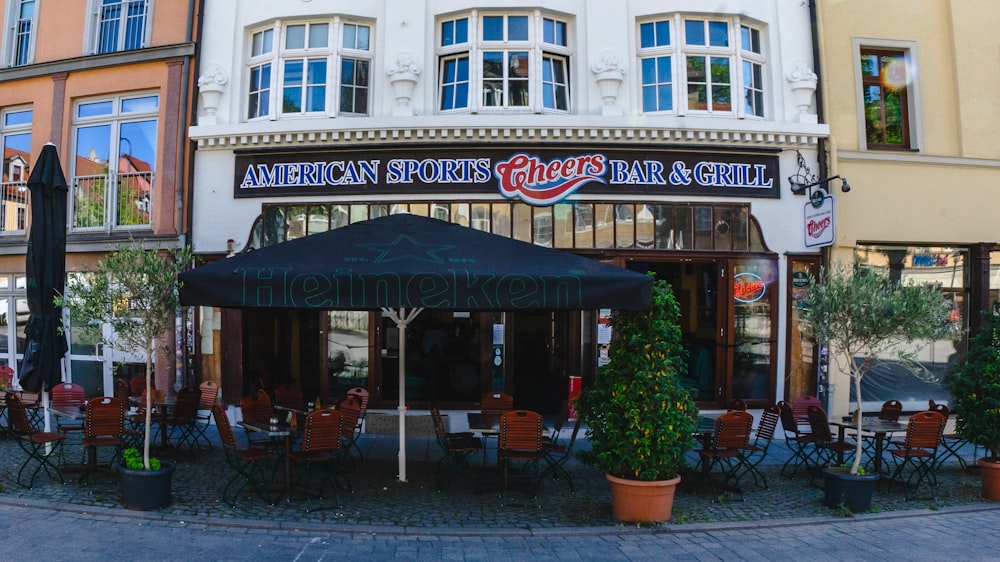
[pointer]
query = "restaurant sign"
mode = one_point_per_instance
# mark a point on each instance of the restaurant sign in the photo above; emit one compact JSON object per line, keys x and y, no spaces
{"x":542,"y":176}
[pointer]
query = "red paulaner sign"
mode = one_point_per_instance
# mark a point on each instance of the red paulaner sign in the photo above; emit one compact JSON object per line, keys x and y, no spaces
{"x":538,"y":176}
{"x":818,"y":223}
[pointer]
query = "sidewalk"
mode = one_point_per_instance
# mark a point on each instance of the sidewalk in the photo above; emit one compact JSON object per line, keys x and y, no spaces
{"x":380,"y":503}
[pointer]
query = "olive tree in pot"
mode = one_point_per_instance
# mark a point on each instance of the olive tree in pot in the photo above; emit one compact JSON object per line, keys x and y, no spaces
{"x":640,"y":420}
{"x":975,"y":391}
{"x":867,"y":319}
{"x":134,"y":290}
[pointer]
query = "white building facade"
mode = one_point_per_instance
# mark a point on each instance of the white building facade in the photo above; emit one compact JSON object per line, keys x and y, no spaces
{"x":653,"y":135}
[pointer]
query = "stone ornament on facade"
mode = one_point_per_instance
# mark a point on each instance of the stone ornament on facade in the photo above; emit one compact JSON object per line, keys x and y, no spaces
{"x":211,"y":85}
{"x":609,"y":72}
{"x":802,"y":81}
{"x":403,"y":75}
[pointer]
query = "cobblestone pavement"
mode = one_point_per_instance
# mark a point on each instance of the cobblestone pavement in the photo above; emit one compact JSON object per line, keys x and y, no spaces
{"x":379,"y":503}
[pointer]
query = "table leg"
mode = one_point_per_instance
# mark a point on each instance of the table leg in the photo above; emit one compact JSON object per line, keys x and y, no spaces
{"x":840,"y":438}
{"x":878,"y":451}
{"x":288,"y":464}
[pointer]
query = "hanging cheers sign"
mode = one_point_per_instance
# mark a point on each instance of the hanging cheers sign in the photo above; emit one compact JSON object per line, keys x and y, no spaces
{"x":543,"y":176}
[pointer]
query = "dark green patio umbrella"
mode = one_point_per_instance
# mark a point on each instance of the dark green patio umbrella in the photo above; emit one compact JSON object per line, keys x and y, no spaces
{"x":46,"y":274}
{"x":405,"y":263}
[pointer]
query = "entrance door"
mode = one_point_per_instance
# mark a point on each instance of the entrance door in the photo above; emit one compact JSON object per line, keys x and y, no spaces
{"x":697,"y":288}
{"x":727,"y":320}
{"x":542,"y":359}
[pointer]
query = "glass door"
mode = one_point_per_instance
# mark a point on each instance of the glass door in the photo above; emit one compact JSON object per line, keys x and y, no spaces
{"x":751,"y":338}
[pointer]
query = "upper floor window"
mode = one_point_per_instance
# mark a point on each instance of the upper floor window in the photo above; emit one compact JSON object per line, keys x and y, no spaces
{"x":503,"y":62}
{"x":15,"y":139}
{"x":21,"y":32}
{"x":885,"y":79}
{"x":313,"y":67}
{"x":120,"y":25}
{"x":704,"y":63}
{"x":114,"y":169}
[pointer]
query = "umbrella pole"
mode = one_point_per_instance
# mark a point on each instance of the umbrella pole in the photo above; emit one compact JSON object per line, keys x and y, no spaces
{"x":402,"y":319}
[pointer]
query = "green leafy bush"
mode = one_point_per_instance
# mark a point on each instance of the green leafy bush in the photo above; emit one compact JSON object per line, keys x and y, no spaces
{"x":640,"y":420}
{"x":975,"y":390}
{"x":133,"y":460}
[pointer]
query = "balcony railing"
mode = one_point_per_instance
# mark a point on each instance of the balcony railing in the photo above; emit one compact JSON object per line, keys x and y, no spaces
{"x":13,"y":206}
{"x":112,"y":202}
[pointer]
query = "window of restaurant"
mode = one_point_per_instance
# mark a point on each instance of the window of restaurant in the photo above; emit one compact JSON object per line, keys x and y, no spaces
{"x":946,"y":268}
{"x":447,"y":351}
{"x":674,"y":226}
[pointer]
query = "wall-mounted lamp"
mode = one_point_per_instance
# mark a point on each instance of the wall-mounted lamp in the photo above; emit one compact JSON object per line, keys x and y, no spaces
{"x":804,"y":181}
{"x":816,"y":196}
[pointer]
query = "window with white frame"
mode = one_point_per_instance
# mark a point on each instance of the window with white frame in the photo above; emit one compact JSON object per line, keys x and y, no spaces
{"x":114,"y":169}
{"x":15,"y":138}
{"x":120,"y":25}
{"x":511,"y":62}
{"x":316,"y":68}
{"x":690,"y":65}
{"x":19,"y":46}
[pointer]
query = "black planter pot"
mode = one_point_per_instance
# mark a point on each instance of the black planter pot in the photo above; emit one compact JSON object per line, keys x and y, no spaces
{"x":852,"y":491}
{"x":147,"y":490}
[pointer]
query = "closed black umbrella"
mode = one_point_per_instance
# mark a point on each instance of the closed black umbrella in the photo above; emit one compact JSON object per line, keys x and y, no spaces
{"x":46,"y":269}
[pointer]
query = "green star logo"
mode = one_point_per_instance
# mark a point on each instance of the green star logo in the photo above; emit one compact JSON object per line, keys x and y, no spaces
{"x":406,"y":248}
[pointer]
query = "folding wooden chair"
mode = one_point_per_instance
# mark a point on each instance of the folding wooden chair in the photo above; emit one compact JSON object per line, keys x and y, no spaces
{"x":208,"y":396}
{"x":915,"y":458}
{"x":557,"y":454}
{"x":104,"y":425}
{"x":825,"y":448}
{"x":456,"y":450}
{"x":350,"y":406}
{"x":259,"y":409}
{"x":323,"y":446}
{"x":727,"y":449}
{"x":520,"y":449}
{"x":797,"y":440}
{"x":67,"y":397}
{"x":756,"y":452}
{"x":248,"y":463}
{"x":39,"y":445}
{"x":181,"y":422}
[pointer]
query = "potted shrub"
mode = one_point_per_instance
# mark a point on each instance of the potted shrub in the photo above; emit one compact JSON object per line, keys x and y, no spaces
{"x":865,"y":319}
{"x":134,"y":290}
{"x":975,"y":391}
{"x":640,"y":420}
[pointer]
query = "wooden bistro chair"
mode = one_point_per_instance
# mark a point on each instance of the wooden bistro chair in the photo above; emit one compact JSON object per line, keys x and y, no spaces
{"x":520,"y":449}
{"x":207,"y":397}
{"x":951,"y":441}
{"x":248,"y":463}
{"x":104,"y":425}
{"x":557,"y":454}
{"x":68,"y":397}
{"x":323,"y":447}
{"x":39,"y":445}
{"x":181,"y":422}
{"x":915,"y":458}
{"x":290,"y":396}
{"x":350,"y":406}
{"x":727,"y":449}
{"x":826,"y":449}
{"x":796,"y":439}
{"x":362,"y":395}
{"x":456,"y":450}
{"x":756,"y":451}
{"x":259,"y":409}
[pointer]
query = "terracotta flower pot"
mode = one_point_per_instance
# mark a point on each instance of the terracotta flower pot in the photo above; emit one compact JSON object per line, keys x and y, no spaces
{"x":636,"y":500}
{"x":991,"y":478}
